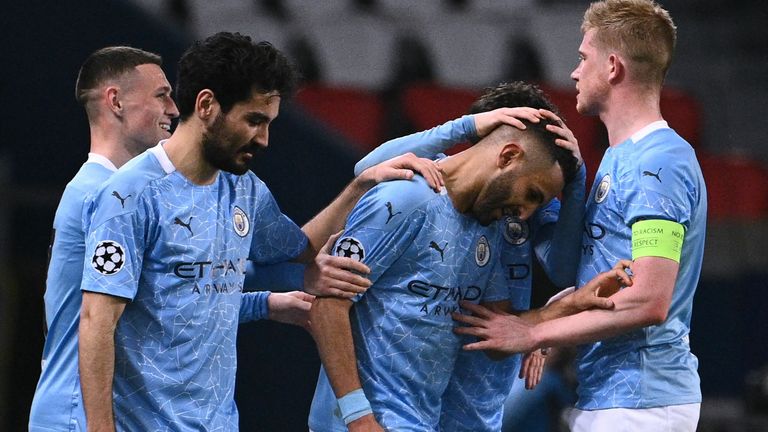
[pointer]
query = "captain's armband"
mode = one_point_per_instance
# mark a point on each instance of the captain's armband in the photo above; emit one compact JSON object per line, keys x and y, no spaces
{"x":657,"y":238}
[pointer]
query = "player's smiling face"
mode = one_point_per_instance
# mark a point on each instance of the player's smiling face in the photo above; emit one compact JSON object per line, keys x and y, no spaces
{"x":235,"y":137}
{"x":590,"y":84}
{"x":147,"y":107}
{"x":517,"y":193}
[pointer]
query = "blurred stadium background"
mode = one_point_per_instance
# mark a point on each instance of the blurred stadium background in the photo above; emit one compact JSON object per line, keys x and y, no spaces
{"x":376,"y":69}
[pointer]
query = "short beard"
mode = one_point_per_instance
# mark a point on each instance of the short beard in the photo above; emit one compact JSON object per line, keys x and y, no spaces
{"x":496,"y":193}
{"x":217,"y":153}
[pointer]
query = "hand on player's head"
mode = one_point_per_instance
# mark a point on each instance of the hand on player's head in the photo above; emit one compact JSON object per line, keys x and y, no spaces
{"x":567,"y":139}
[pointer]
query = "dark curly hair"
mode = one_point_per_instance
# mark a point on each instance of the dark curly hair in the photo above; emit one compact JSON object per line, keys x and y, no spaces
{"x":231,"y":66}
{"x":522,"y":94}
{"x":511,"y":95}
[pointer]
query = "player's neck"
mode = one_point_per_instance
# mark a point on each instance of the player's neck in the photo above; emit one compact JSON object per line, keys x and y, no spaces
{"x":108,"y":142}
{"x":185,"y":150}
{"x":463,"y":177}
{"x":629,"y":111}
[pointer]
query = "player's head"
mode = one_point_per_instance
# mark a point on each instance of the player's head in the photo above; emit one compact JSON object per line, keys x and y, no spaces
{"x":639,"y":35}
{"x":529,"y":170}
{"x":511,"y":95}
{"x":233,"y":86}
{"x":126,"y":88}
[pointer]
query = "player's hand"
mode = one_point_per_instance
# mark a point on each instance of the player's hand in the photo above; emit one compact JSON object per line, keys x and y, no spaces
{"x":366,"y":423}
{"x":486,"y":122}
{"x":402,"y":168}
{"x":567,"y":140}
{"x":595,"y":294}
{"x":532,"y":367}
{"x":497,"y":331}
{"x":290,"y":308}
{"x":335,"y":276}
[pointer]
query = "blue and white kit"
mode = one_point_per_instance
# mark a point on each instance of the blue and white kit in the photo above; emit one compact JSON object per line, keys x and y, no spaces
{"x":178,"y":252}
{"x":652,"y":175}
{"x":58,"y":404}
{"x":424,"y":258}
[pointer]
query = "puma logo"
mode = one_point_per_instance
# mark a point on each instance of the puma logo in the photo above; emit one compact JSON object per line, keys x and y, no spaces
{"x":122,"y":200}
{"x":650,"y":174}
{"x":177,"y":221}
{"x":391,"y":215}
{"x":435,"y":246}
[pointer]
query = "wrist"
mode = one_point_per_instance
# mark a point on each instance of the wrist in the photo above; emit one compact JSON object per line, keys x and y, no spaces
{"x":362,"y":183}
{"x":537,"y":338}
{"x":265,"y":305}
{"x":353,"y":406}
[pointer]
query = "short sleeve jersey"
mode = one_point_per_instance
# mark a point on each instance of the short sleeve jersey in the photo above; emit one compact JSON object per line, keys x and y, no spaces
{"x":177,"y":251}
{"x":424,"y":258}
{"x":57,"y":403}
{"x":475,"y":396}
{"x":652,"y":175}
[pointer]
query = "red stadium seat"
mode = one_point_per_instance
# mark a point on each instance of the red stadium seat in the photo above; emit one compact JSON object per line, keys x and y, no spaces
{"x":357,"y":115}
{"x":683,"y":113}
{"x":429,"y":105}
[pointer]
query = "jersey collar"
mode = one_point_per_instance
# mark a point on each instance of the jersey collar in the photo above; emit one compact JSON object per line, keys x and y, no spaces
{"x":101,"y":160}
{"x":642,"y":133}
{"x":162,"y":157}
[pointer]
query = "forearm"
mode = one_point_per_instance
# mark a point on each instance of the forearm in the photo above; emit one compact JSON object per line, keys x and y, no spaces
{"x":333,"y":335}
{"x":96,"y":348}
{"x":635,"y":307}
{"x":558,"y":247}
{"x":254,"y":306}
{"x":426,"y":144}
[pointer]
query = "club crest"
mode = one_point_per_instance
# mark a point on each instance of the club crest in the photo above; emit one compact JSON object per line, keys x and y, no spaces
{"x":515,"y":230}
{"x":240,"y":222}
{"x":602,"y":189}
{"x":482,"y":252}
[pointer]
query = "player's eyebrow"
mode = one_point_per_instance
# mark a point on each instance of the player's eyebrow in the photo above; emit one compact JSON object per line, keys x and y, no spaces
{"x":257,"y":117}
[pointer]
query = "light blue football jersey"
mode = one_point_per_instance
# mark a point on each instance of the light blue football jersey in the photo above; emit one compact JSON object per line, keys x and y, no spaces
{"x":424,"y":258}
{"x":58,"y":404}
{"x":652,"y":175}
{"x":475,"y":396}
{"x":178,"y":251}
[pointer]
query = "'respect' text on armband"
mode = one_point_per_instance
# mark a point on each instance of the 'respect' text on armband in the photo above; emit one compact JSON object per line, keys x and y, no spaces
{"x":657,"y":238}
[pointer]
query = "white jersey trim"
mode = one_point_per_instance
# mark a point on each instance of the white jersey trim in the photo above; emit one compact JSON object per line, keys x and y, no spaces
{"x":162,"y":157}
{"x":101,"y":160}
{"x":642,"y":133}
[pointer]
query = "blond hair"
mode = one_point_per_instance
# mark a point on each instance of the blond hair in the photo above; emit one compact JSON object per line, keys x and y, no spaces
{"x":639,"y":30}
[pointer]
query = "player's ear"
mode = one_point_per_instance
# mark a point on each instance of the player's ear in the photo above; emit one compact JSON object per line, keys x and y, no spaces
{"x":509,"y":154}
{"x":112,"y":97}
{"x":206,"y":105}
{"x":615,"y":67}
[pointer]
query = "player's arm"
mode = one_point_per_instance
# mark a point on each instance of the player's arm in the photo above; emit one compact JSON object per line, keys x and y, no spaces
{"x":333,"y":335}
{"x":331,"y":219}
{"x":429,"y":143}
{"x":98,"y":319}
{"x":288,"y":308}
{"x":557,"y":245}
{"x":646,"y":302}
